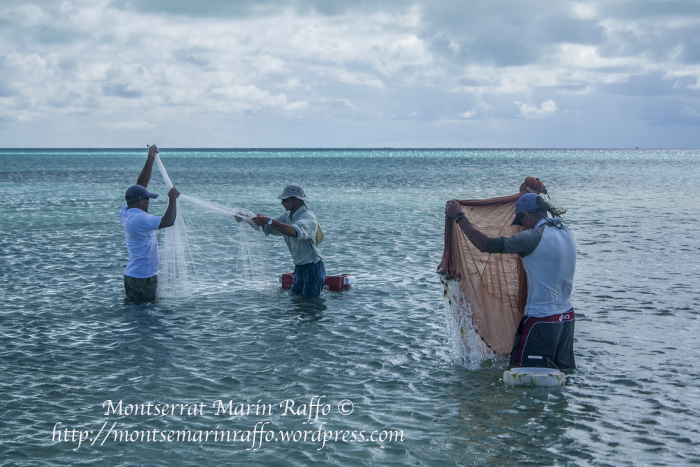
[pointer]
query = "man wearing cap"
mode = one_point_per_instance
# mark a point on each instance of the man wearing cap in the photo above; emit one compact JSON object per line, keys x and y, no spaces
{"x":302,"y":234}
{"x":141,"y":273}
{"x":547,"y":248}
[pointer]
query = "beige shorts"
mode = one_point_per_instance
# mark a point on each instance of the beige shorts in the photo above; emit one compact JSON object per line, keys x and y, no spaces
{"x":141,"y":290}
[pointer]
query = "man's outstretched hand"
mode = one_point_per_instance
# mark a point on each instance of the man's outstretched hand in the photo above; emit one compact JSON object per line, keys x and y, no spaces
{"x":260,"y":220}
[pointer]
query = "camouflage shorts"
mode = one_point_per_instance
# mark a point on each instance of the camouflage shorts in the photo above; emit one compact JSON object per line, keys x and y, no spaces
{"x":141,"y":290}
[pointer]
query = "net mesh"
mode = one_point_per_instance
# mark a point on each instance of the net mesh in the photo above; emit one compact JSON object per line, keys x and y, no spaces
{"x":197,"y":252}
{"x":494,"y":286}
{"x":207,"y":252}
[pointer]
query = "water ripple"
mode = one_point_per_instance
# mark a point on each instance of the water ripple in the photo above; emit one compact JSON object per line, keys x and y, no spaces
{"x":68,"y":342}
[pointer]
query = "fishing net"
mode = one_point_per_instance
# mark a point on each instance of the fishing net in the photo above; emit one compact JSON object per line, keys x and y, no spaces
{"x":486,"y":292}
{"x":206,"y":252}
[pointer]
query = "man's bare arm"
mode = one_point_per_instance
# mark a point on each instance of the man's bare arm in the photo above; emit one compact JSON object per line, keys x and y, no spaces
{"x":145,"y":175}
{"x":168,"y":219}
{"x":478,"y":239}
{"x":284,"y":229}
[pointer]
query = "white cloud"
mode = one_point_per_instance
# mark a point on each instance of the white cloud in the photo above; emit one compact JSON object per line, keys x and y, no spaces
{"x":584,"y":10}
{"x":577,"y":92}
{"x":135,"y":125}
{"x":63,"y":59}
{"x":298,"y":105}
{"x":253,"y":95}
{"x":361,"y":79}
{"x":573,"y":56}
{"x":409,"y":19}
{"x":347,"y":103}
{"x":454,"y":47}
{"x":530,"y":111}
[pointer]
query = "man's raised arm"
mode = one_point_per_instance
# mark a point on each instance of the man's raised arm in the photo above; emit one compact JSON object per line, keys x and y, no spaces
{"x":145,"y":175}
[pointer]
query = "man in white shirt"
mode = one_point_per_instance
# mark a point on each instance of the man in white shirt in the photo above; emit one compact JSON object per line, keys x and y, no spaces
{"x":141,"y":273}
{"x":548,"y":251}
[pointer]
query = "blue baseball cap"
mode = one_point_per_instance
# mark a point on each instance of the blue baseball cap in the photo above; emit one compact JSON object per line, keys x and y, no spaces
{"x":526,"y":203}
{"x":136,"y":192}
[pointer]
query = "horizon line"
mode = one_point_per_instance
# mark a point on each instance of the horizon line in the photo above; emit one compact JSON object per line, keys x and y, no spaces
{"x":386,"y":148}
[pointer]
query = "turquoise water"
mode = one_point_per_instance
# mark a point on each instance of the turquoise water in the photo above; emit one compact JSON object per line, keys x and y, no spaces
{"x":69,"y":343}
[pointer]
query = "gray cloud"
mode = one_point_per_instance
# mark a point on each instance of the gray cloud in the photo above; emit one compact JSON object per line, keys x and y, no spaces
{"x":558,"y":29}
{"x":6,"y":90}
{"x":199,"y":57}
{"x":255,"y":8}
{"x":645,"y":9}
{"x":423,"y":71}
{"x":121,"y":90}
{"x":690,"y":46}
{"x":649,"y":86}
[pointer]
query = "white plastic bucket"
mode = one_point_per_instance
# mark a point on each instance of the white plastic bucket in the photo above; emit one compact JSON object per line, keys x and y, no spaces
{"x":533,"y":377}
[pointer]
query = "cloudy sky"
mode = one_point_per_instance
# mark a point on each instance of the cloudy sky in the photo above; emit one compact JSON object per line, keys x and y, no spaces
{"x":361,"y":73}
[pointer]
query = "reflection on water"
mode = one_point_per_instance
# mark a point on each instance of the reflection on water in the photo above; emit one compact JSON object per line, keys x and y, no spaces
{"x":68,"y":342}
{"x":308,"y":309}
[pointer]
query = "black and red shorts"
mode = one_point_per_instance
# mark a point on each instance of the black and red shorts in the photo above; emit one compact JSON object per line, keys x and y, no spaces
{"x":545,"y":342}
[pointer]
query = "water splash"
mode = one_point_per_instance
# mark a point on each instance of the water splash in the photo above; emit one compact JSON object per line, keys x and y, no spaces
{"x":467,"y":348}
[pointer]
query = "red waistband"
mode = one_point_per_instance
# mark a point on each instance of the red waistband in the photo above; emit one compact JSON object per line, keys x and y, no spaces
{"x":568,"y":316}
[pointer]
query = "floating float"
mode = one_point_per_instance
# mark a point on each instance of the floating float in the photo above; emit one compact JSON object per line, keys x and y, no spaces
{"x":332,"y":283}
{"x":545,"y":377}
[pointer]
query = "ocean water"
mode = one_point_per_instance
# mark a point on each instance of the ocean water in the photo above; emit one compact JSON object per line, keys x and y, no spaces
{"x":371,"y":365}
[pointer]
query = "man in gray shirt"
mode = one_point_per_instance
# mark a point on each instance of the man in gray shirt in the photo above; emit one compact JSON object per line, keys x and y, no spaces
{"x":548,"y":251}
{"x":302,"y":234}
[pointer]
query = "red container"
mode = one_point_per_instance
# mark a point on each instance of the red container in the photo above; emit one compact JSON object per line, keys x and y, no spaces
{"x":334,"y":283}
{"x":286,"y":280}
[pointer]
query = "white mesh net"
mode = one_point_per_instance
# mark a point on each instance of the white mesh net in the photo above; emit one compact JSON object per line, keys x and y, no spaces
{"x":207,"y":252}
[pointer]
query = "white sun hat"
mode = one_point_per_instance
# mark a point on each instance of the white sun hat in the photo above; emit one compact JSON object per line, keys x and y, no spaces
{"x":293,"y":190}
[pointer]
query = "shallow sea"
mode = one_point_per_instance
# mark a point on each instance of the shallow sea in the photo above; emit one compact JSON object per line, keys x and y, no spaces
{"x":379,"y":353}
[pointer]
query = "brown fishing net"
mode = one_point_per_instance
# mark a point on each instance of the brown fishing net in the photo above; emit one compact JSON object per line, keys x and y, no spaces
{"x":494,"y":285}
